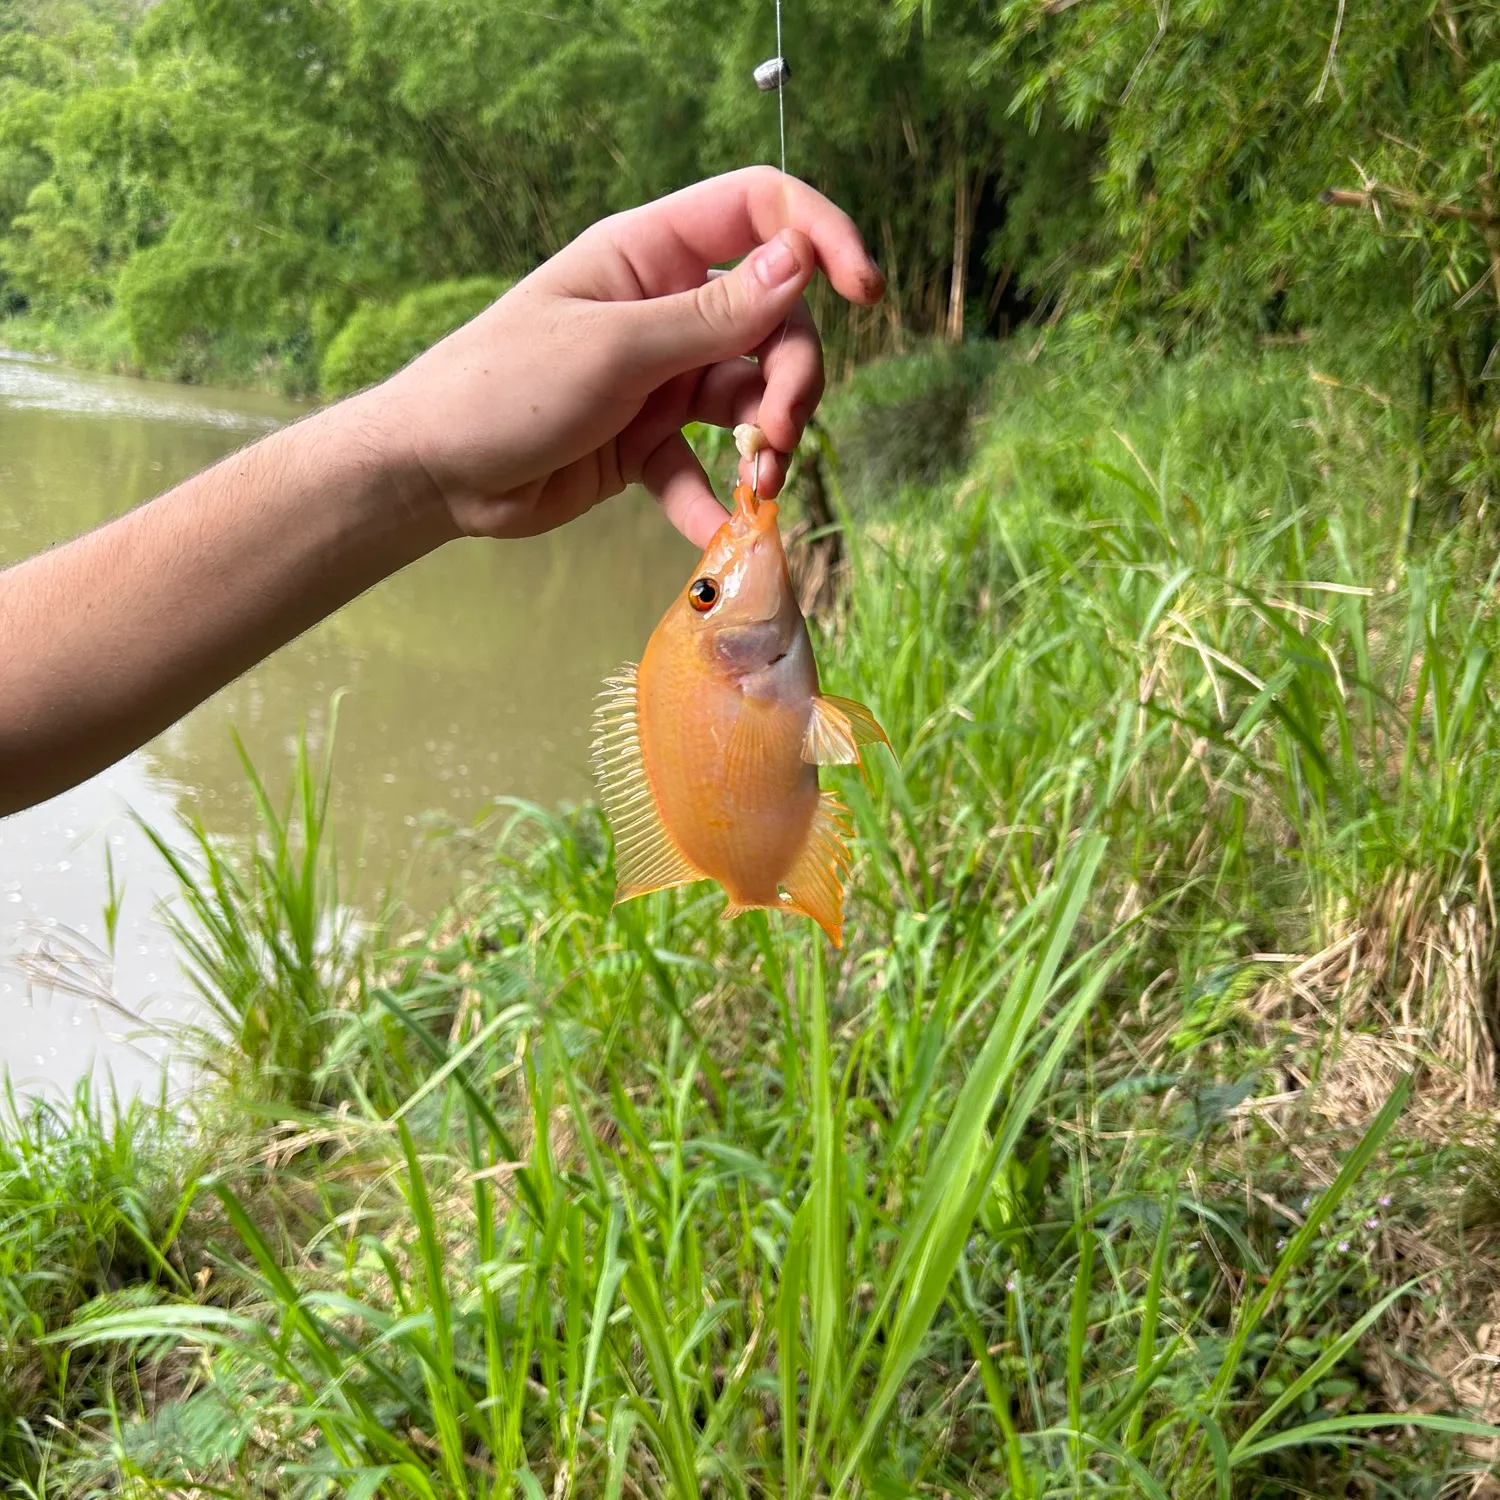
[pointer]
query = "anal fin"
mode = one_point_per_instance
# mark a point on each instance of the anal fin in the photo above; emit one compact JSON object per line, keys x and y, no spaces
{"x":815,"y":884}
{"x":646,"y":858}
{"x":836,"y":728}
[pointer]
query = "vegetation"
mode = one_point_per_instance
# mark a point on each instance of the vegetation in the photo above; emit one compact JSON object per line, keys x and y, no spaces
{"x":230,"y":183}
{"x":1141,"y":1141}
{"x":236,"y":180}
{"x":1134,"y":1145}
{"x":380,"y":337}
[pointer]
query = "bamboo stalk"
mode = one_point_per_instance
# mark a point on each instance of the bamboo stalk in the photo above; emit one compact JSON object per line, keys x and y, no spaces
{"x":958,"y":286}
{"x":1349,"y":198}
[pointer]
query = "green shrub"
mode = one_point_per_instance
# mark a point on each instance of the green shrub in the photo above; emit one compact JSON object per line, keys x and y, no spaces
{"x":87,"y":338}
{"x":381,"y":337}
{"x":911,"y":420}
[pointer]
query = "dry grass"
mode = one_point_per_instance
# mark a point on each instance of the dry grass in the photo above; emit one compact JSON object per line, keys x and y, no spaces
{"x":1409,"y":984}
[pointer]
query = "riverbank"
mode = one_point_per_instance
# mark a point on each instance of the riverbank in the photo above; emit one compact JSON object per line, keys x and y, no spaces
{"x":375,"y":341}
{"x":98,"y":340}
{"x":1145,"y":1126}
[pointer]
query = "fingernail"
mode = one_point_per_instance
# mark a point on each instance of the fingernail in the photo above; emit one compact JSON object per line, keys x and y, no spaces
{"x":775,"y":263}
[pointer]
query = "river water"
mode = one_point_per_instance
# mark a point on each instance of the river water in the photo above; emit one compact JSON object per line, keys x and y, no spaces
{"x":469,"y":676}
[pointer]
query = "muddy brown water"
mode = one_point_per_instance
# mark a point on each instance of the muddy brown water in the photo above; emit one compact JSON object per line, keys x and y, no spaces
{"x":467,"y":677}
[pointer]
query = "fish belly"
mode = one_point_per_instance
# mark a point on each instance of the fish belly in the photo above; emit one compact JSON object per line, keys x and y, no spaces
{"x":758,"y":843}
{"x":730,"y":783}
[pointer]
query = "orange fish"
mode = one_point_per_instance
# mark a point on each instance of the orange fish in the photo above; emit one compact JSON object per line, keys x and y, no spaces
{"x":708,"y":752}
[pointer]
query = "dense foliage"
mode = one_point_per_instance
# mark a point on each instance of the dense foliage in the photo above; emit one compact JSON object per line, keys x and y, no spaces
{"x":1285,"y":168}
{"x":248,"y":168}
{"x":251,"y":173}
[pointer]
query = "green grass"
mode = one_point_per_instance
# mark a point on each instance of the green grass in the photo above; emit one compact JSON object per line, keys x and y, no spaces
{"x":92,"y":340}
{"x":99,"y":339}
{"x":90,"y":1207}
{"x":1095,"y":1164}
{"x":266,"y":942}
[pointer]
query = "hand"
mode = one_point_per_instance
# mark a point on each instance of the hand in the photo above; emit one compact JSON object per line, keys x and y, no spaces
{"x":579,"y":380}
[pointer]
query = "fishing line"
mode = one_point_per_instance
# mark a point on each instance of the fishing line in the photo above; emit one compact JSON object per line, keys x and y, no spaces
{"x":773,"y":74}
{"x":781,"y":90}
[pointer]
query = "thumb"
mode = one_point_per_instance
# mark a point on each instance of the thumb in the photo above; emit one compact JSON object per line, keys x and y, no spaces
{"x":728,"y":315}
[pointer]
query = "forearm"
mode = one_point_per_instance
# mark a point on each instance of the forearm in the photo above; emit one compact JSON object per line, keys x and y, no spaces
{"x":107,"y":640}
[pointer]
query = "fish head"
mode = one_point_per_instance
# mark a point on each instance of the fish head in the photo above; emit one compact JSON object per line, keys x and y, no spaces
{"x":739,"y":607}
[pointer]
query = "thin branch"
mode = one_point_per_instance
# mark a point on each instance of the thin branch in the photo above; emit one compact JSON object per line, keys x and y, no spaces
{"x":1347,"y":198}
{"x":1333,"y":47}
{"x":1163,"y":14}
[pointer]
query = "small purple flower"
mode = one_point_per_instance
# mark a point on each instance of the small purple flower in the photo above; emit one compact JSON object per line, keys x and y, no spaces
{"x":1281,"y":1244}
{"x":1343,"y":1247}
{"x":1385,"y":1200}
{"x":1372,"y":1222}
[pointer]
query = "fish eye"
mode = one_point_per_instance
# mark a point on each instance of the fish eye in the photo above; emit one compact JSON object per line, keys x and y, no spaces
{"x":703,"y":594}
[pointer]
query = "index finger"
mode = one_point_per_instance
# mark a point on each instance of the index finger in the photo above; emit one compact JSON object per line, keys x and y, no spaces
{"x":669,"y":244}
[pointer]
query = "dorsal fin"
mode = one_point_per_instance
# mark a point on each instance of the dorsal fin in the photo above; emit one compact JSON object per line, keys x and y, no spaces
{"x":646,"y":859}
{"x":836,"y":728}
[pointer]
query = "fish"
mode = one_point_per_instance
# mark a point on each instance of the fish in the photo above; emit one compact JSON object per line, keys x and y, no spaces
{"x":707,"y":752}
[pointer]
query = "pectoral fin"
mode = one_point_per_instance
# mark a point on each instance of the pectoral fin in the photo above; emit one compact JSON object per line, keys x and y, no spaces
{"x":836,"y":728}
{"x":646,"y":858}
{"x":815,"y":884}
{"x":867,"y":730}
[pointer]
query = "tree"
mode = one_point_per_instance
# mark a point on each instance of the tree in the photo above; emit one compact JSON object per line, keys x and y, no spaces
{"x":1279,"y":167}
{"x":60,"y":228}
{"x":253,"y":171}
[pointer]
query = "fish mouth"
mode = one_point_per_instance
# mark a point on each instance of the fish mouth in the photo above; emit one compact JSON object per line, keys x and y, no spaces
{"x":752,"y":514}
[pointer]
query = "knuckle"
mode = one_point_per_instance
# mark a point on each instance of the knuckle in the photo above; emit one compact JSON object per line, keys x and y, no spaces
{"x":716,"y":304}
{"x":772,"y":187}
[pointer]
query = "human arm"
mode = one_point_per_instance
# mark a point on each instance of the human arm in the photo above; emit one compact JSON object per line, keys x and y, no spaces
{"x":575,"y":384}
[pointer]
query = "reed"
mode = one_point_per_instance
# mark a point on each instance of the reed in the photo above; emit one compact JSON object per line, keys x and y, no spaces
{"x":265,"y":939}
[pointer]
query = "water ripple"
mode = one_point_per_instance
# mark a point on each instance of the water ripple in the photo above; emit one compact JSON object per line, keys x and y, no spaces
{"x":27,"y":384}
